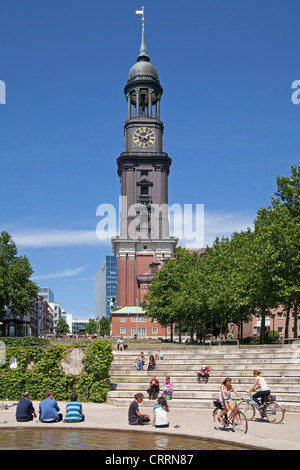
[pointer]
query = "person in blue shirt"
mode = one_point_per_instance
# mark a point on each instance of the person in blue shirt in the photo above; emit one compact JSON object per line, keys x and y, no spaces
{"x":49,"y":409}
{"x":74,"y":410}
{"x":25,"y":410}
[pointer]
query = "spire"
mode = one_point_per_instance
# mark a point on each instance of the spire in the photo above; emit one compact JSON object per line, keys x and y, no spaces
{"x":143,"y":56}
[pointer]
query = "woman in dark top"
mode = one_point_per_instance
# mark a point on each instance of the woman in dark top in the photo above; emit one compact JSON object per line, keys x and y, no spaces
{"x":151,"y":363}
{"x":154,"y":388}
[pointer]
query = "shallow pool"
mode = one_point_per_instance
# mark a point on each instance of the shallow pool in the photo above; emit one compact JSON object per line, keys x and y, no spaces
{"x":85,"y":439}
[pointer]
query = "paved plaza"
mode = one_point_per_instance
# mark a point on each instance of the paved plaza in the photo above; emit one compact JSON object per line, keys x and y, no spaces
{"x":192,"y":422}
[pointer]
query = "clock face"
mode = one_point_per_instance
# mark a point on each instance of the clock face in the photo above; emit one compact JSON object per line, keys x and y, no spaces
{"x":144,"y":137}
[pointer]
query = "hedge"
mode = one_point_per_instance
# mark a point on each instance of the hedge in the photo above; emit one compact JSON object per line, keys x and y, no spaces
{"x":46,"y":375}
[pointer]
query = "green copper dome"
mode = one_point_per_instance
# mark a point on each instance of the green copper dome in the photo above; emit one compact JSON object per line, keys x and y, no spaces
{"x":143,"y":68}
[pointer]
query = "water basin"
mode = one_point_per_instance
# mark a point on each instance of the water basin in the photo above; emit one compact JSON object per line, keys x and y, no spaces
{"x":87,"y":439}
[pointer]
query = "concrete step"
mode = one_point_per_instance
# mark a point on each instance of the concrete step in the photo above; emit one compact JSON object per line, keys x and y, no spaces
{"x":204,"y":387}
{"x":203,"y":404}
{"x":280,"y":372}
{"x":200,"y":395}
{"x":130,"y":358}
{"x":213,"y":379}
{"x":182,"y":364}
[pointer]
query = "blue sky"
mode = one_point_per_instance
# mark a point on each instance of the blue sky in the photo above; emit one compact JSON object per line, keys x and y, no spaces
{"x":230,"y":126}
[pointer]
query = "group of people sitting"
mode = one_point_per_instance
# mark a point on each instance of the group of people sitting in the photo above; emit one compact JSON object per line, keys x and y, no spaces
{"x":49,"y":411}
{"x":152,"y":361}
{"x":160,"y":413}
{"x":167,"y":391}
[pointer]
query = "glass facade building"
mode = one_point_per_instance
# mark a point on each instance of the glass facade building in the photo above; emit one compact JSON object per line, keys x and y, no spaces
{"x":78,"y":326}
{"x":47,"y":293}
{"x":105,"y":286}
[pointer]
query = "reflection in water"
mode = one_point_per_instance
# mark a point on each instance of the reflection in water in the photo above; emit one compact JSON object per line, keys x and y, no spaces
{"x":85,"y":439}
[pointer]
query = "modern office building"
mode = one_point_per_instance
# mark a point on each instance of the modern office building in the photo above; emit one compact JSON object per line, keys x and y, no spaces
{"x":56,"y":313}
{"x":78,"y":327}
{"x":47,"y":293}
{"x":105,"y":286}
{"x":68,"y":319}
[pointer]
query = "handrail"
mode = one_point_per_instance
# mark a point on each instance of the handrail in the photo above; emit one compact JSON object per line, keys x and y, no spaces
{"x":224,"y":340}
{"x":297,"y":340}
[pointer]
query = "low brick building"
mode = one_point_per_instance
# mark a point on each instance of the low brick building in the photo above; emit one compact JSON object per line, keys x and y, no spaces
{"x":276,"y":321}
{"x":126,"y":321}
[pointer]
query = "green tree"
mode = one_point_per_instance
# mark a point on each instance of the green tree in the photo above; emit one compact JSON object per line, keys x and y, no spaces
{"x":16,"y":289}
{"x":287,"y":196}
{"x":104,"y":326}
{"x":62,"y":327}
{"x":91,"y":327}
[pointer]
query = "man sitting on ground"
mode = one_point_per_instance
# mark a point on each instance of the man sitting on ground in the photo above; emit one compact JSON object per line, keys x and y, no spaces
{"x":25,"y":410}
{"x":134,"y":415}
{"x":48,"y":410}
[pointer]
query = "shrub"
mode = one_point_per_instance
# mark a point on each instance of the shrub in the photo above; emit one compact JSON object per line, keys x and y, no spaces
{"x":46,"y":373}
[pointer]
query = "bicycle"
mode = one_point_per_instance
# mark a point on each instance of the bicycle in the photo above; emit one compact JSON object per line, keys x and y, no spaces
{"x":237,"y":418}
{"x":271,"y":410}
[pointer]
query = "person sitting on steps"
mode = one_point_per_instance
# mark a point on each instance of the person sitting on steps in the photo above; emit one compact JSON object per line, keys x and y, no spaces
{"x":203,"y":375}
{"x":154,"y":388}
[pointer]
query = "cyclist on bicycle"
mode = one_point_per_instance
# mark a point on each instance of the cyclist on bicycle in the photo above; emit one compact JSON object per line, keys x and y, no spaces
{"x":261,"y":385}
{"x":225,"y":397}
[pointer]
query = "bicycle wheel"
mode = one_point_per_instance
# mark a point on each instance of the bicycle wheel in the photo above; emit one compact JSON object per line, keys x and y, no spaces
{"x":240,"y":422}
{"x":247,"y":408}
{"x":216,"y":415}
{"x":274,"y":412}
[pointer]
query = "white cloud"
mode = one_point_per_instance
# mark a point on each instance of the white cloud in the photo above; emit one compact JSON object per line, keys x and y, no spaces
{"x":215,"y":224}
{"x":64,"y":273}
{"x":33,"y":238}
{"x":224,"y":224}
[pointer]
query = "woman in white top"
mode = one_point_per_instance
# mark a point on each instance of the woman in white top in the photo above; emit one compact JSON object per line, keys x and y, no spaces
{"x":261,"y":385}
{"x":160,"y":417}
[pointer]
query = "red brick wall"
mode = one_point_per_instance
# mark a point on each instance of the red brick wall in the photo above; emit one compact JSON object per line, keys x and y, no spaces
{"x":128,"y":268}
{"x":128,"y":325}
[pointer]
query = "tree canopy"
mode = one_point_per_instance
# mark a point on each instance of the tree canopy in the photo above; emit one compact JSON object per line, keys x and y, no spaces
{"x":16,"y":288}
{"x":247,"y":274}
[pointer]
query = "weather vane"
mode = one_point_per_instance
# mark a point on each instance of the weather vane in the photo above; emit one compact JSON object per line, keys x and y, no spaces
{"x":141,"y":12}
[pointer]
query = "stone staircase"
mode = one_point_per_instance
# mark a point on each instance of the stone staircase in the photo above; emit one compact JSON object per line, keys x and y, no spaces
{"x":279,"y":365}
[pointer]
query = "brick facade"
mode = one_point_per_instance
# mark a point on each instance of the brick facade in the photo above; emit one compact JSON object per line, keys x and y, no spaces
{"x":127,"y":320}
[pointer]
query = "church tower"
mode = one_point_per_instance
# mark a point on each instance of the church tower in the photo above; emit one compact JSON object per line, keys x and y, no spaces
{"x":144,"y":241}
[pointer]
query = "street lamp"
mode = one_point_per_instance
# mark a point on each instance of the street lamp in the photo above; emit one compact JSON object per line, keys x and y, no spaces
{"x":111,"y":304}
{"x":137,"y":317}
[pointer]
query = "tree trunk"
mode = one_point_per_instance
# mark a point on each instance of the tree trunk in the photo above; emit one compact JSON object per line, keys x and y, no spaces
{"x":287,"y":322}
{"x":172,"y":332}
{"x":242,"y":330}
{"x":263,"y":326}
{"x":180,"y":332}
{"x":295,"y":308}
{"x":192,"y":328}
